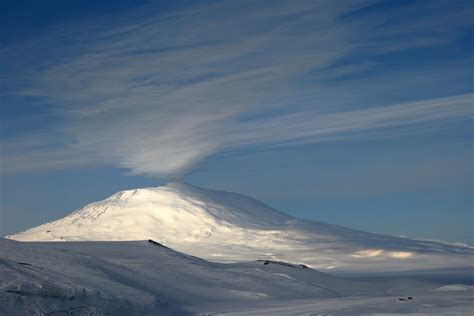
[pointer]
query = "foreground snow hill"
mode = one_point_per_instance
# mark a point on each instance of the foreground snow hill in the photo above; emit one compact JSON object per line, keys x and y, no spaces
{"x":147,"y":278}
{"x":144,"y":276}
{"x":229,"y":227}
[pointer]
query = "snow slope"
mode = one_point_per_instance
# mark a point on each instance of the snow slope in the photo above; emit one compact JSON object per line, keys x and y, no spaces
{"x":228,"y":227}
{"x":146,"y":278}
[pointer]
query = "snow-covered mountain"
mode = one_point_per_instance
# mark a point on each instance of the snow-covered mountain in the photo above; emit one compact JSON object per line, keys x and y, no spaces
{"x":226,"y":227}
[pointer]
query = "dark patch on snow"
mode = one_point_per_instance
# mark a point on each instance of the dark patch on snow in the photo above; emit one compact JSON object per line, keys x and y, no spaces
{"x":43,"y":294}
{"x":151,"y":241}
{"x":10,"y":263}
{"x":286,"y":264}
{"x":409,"y":298}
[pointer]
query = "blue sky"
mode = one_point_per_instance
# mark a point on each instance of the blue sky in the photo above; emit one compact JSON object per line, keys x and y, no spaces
{"x":355,"y":113}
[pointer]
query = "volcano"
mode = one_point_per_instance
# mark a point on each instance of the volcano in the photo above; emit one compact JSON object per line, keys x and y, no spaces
{"x":229,"y":227}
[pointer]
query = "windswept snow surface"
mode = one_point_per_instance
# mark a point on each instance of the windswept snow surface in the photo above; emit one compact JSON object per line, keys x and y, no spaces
{"x":228,"y":227}
{"x":146,"y":278}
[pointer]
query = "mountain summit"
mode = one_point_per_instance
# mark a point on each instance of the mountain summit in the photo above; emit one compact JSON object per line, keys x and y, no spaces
{"x":224,"y":226}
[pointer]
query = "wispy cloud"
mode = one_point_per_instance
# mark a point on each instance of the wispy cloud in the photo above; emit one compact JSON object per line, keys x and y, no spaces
{"x":159,"y":95}
{"x":316,"y":127}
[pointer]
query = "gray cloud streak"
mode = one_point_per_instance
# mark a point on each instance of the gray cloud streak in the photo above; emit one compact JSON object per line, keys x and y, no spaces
{"x":158,"y":96}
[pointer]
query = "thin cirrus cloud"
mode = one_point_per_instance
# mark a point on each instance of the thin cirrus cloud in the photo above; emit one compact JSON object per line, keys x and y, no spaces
{"x":159,"y":95}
